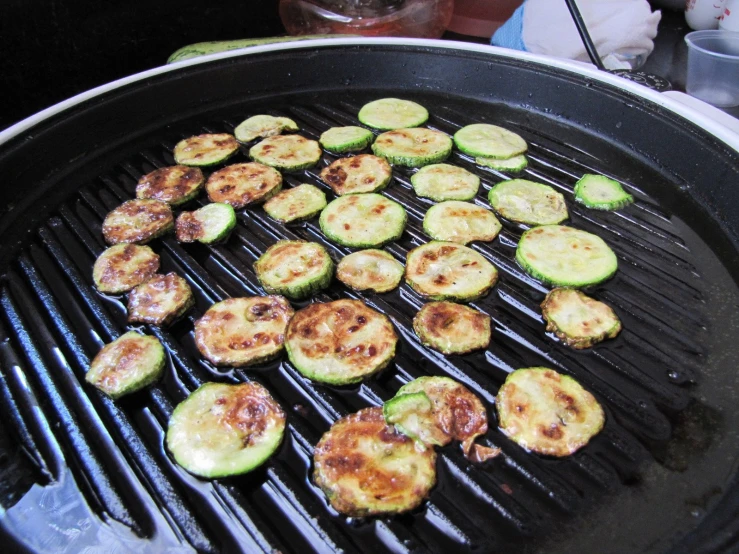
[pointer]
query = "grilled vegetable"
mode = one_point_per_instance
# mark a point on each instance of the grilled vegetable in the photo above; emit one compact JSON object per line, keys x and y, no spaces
{"x":412,"y":414}
{"x":565,"y":257}
{"x":128,"y":364}
{"x":296,"y":204}
{"x":123,"y":266}
{"x":489,"y":141}
{"x":346,"y":139}
{"x":211,"y":223}
{"x":452,"y":328}
{"x":294,"y":268}
{"x":221,"y":430}
{"x":528,"y":202}
{"x":340,"y":342}
{"x":363,"y":173}
{"x":392,"y":113}
{"x":460,"y":222}
{"x":160,"y":301}
{"x":365,"y":467}
{"x":514,"y":164}
{"x":546,"y":412}
{"x":363,"y":220}
{"x":286,"y":152}
{"x":601,"y":193}
{"x":445,"y":182}
{"x":413,"y":147}
{"x":243,"y":184}
{"x":448,"y":271}
{"x":578,"y":320}
{"x":205,"y":150}
{"x":137,"y":221}
{"x":373,"y":270}
{"x":243,"y":331}
{"x":263,"y":126}
{"x":174,"y":185}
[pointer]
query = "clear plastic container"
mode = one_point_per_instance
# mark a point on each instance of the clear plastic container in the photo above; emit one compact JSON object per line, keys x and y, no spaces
{"x":713,"y":67}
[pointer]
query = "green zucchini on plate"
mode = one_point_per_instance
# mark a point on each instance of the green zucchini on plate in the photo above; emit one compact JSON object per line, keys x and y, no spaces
{"x":441,"y":182}
{"x":413,"y":147}
{"x":162,"y":300}
{"x":388,"y":114}
{"x":601,"y":193}
{"x":124,"y":266}
{"x":372,"y":270}
{"x":483,"y":140}
{"x":210,"y":224}
{"x":513,"y":164}
{"x":242,"y":184}
{"x":138,"y":221}
{"x":528,"y":202}
{"x":578,"y":320}
{"x":340,"y":140}
{"x":452,"y":328}
{"x":294,"y":268}
{"x":263,"y":126}
{"x":460,"y":222}
{"x":174,"y":185}
{"x":286,"y":152}
{"x":296,"y":204}
{"x":205,"y":150}
{"x":358,"y":174}
{"x":363,"y":220}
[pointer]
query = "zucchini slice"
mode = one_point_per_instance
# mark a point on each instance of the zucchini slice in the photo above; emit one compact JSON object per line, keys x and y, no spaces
{"x":452,"y":328}
{"x":205,"y":150}
{"x":286,"y":152}
{"x":340,"y":342}
{"x":578,"y":320}
{"x":296,"y":204}
{"x":346,"y":139}
{"x":601,"y":193}
{"x":128,"y":364}
{"x":528,"y":202}
{"x":547,"y":412}
{"x":221,"y":430}
{"x":174,"y":185}
{"x":373,"y":270}
{"x":514,"y":164}
{"x":124,"y":266}
{"x":243,"y":331}
{"x":263,"y":126}
{"x":243,"y":184}
{"x":412,"y":415}
{"x":447,"y":271}
{"x":483,"y":140}
{"x":137,"y":221}
{"x":294,"y":268}
{"x":363,"y":173}
{"x":565,"y":257}
{"x":209,"y":224}
{"x":363,"y":220}
{"x":162,"y":300}
{"x":365,"y":467}
{"x":441,"y":182}
{"x":387,"y":114}
{"x":460,"y":222}
{"x":413,"y":147}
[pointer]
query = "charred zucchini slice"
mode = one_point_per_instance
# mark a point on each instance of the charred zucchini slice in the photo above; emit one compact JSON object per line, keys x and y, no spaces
{"x":294,"y":268}
{"x":601,"y":193}
{"x":365,"y":467}
{"x":483,"y":140}
{"x":565,"y":257}
{"x":124,"y":266}
{"x":128,"y":364}
{"x":162,"y":300}
{"x":413,"y":147}
{"x":296,"y":204}
{"x":286,"y":152}
{"x":211,"y":223}
{"x":445,"y":182}
{"x":514,"y":164}
{"x":412,"y":414}
{"x":174,"y":185}
{"x":460,"y":222}
{"x":243,"y":331}
{"x":221,"y":430}
{"x":137,"y":221}
{"x":528,"y":202}
{"x":452,"y":328}
{"x":363,"y":220}
{"x":547,"y":412}
{"x":340,"y":342}
{"x":205,"y":150}
{"x":447,"y":271}
{"x":263,"y":126}
{"x":241,"y":184}
{"x":373,"y":270}
{"x":387,"y":114}
{"x":346,"y":139}
{"x":578,"y":320}
{"x":363,"y":173}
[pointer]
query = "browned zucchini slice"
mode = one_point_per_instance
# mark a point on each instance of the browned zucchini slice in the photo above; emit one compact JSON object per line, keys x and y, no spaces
{"x":124,"y":266}
{"x":452,"y":328}
{"x":174,"y":185}
{"x":363,"y":173}
{"x":460,"y":222}
{"x":296,"y":204}
{"x":372,"y":269}
{"x":413,"y":147}
{"x":160,"y":301}
{"x":286,"y":152}
{"x":205,"y":150}
{"x":578,"y":320}
{"x":263,"y":126}
{"x":242,"y":184}
{"x":137,"y":221}
{"x":294,"y":268}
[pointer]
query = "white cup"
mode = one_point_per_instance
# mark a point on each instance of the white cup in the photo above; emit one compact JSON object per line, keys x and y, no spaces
{"x":702,"y":15}
{"x":730,"y":18}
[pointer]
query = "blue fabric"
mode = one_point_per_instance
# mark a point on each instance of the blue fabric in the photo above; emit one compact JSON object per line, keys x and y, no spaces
{"x":510,"y":34}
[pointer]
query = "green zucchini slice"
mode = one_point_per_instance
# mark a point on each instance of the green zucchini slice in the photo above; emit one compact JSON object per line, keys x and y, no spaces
{"x":387,"y":114}
{"x":222,"y":430}
{"x":412,"y":415}
{"x":447,"y":271}
{"x":243,"y":331}
{"x":565,"y":257}
{"x":578,"y":320}
{"x":294,"y":268}
{"x":137,"y":221}
{"x":162,"y":300}
{"x":263,"y":126}
{"x":363,"y":220}
{"x":452,"y":328}
{"x":460,"y":222}
{"x":528,"y":202}
{"x":363,"y":173}
{"x":547,"y":412}
{"x":210,"y":224}
{"x":514,"y":164}
{"x":346,"y":139}
{"x":489,"y":141}
{"x":372,"y":270}
{"x":241,"y":184}
{"x":205,"y":150}
{"x":128,"y":364}
{"x":174,"y":185}
{"x":124,"y":266}
{"x":286,"y":152}
{"x":365,"y":467}
{"x":296,"y":204}
{"x":441,"y":182}
{"x":601,"y":193}
{"x":413,"y":147}
{"x":340,"y":342}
